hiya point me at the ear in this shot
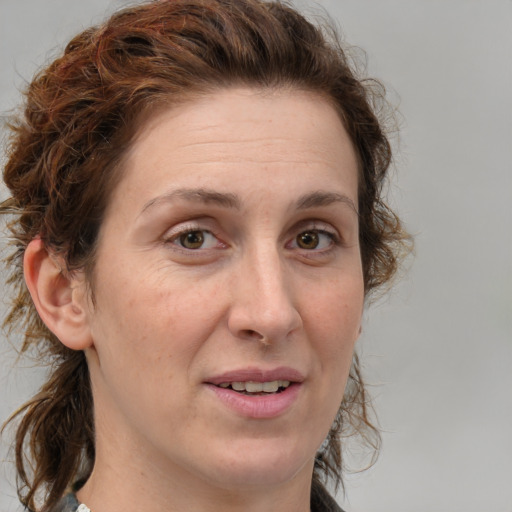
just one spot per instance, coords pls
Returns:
(60, 299)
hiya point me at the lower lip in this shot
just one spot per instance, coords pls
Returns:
(258, 406)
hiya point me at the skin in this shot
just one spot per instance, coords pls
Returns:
(166, 318)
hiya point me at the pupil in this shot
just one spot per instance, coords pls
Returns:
(192, 240)
(307, 240)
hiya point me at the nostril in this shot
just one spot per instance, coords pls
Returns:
(253, 335)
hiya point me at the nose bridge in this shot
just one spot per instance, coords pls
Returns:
(263, 304)
(269, 279)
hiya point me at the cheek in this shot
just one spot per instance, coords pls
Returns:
(336, 311)
(152, 319)
(146, 335)
(334, 324)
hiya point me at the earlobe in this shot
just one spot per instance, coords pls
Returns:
(60, 299)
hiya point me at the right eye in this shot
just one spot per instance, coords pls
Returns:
(195, 239)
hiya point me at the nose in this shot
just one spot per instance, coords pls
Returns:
(263, 306)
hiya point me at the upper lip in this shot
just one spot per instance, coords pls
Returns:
(257, 375)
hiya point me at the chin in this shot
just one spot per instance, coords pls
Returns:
(256, 464)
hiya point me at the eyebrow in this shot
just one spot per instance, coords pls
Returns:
(196, 195)
(324, 198)
(227, 200)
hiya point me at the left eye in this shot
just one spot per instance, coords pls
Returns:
(313, 240)
(196, 239)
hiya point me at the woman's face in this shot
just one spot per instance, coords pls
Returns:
(228, 291)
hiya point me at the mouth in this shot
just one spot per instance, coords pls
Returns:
(258, 393)
(252, 388)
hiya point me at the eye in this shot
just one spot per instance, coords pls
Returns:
(314, 239)
(196, 239)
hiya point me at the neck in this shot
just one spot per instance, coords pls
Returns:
(114, 489)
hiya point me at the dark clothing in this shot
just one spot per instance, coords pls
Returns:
(321, 501)
(67, 504)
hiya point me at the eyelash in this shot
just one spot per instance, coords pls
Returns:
(175, 236)
(333, 240)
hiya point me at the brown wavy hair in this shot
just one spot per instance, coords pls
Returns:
(63, 155)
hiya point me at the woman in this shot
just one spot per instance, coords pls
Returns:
(197, 222)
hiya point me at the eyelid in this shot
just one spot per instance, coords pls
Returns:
(321, 227)
(332, 237)
(180, 229)
(174, 233)
(317, 225)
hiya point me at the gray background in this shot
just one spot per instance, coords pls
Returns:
(438, 350)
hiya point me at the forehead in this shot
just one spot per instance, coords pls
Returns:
(292, 134)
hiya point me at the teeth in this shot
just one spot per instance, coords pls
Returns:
(256, 387)
(270, 387)
(238, 386)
